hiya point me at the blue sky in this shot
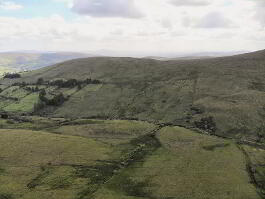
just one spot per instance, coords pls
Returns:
(38, 8)
(132, 27)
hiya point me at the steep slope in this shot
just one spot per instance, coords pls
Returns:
(19, 61)
(224, 96)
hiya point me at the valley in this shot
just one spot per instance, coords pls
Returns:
(26, 61)
(126, 128)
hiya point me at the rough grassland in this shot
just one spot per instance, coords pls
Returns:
(176, 163)
(117, 131)
(187, 166)
(256, 166)
(38, 165)
(182, 92)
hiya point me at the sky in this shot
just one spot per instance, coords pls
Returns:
(132, 27)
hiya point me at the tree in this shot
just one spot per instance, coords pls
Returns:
(42, 95)
(57, 100)
(40, 81)
(11, 75)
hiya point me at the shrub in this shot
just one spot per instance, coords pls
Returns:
(58, 83)
(12, 75)
(196, 110)
(40, 81)
(4, 116)
(70, 83)
(207, 124)
(57, 100)
(42, 95)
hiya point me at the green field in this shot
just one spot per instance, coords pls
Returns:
(118, 159)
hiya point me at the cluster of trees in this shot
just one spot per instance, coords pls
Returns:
(57, 100)
(71, 83)
(11, 75)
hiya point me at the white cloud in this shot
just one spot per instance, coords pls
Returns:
(214, 20)
(190, 2)
(260, 11)
(107, 8)
(9, 5)
(165, 29)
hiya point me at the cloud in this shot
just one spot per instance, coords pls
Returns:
(9, 5)
(107, 8)
(214, 20)
(166, 23)
(260, 11)
(69, 3)
(165, 27)
(190, 2)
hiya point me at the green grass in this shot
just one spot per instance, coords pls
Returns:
(30, 123)
(41, 159)
(9, 91)
(118, 159)
(256, 158)
(38, 164)
(24, 105)
(183, 168)
(116, 130)
(218, 173)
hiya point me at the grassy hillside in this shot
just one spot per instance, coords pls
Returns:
(19, 61)
(224, 96)
(99, 159)
(108, 128)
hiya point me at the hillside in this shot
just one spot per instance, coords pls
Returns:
(115, 159)
(20, 61)
(125, 128)
(224, 96)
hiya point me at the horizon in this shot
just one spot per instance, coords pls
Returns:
(133, 27)
(103, 53)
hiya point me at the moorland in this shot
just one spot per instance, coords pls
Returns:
(127, 128)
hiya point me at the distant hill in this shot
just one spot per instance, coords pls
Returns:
(178, 58)
(20, 61)
(189, 56)
(225, 95)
